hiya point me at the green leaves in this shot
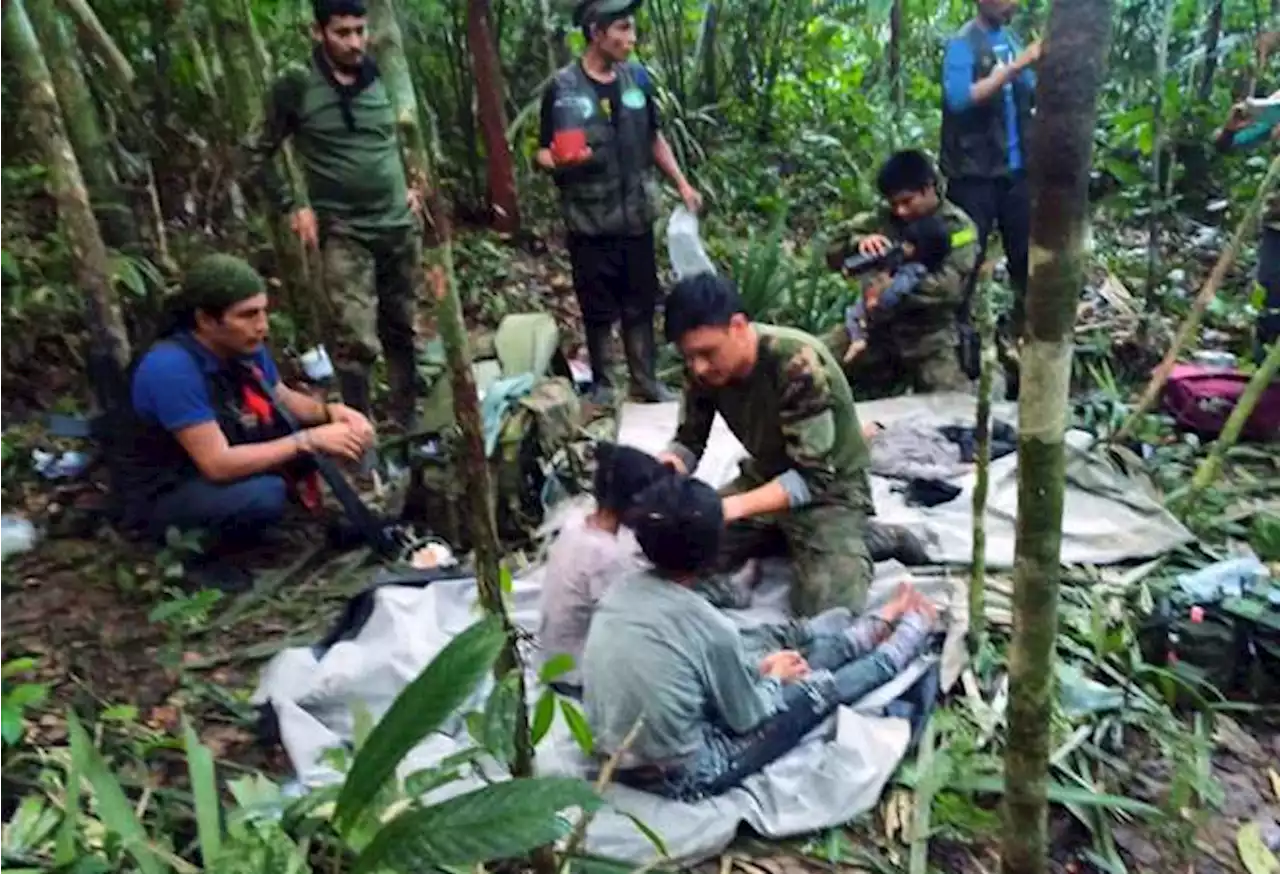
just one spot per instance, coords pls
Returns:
(496, 822)
(204, 786)
(578, 726)
(421, 708)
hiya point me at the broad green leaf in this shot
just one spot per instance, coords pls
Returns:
(420, 709)
(66, 850)
(113, 807)
(556, 666)
(447, 770)
(204, 787)
(498, 732)
(544, 713)
(10, 723)
(578, 726)
(16, 666)
(496, 822)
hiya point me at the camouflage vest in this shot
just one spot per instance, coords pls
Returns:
(614, 193)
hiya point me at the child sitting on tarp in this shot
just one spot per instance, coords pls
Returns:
(708, 714)
(926, 243)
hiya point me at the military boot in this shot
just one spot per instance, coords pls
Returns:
(405, 388)
(353, 384)
(597, 350)
(638, 342)
(894, 541)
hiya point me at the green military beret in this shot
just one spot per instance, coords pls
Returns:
(596, 11)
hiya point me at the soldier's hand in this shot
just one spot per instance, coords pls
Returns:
(303, 222)
(1030, 56)
(854, 350)
(1238, 119)
(874, 244)
(692, 199)
(414, 200)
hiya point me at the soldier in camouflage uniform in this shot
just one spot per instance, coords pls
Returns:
(1241, 131)
(360, 210)
(804, 488)
(916, 343)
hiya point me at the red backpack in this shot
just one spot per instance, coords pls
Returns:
(1200, 398)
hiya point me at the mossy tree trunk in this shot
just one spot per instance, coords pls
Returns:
(84, 126)
(66, 183)
(1075, 52)
(986, 325)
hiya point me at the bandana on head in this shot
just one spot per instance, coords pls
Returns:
(216, 282)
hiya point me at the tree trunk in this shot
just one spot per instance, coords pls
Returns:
(84, 127)
(88, 252)
(1157, 205)
(986, 326)
(895, 52)
(1212, 34)
(1075, 52)
(708, 83)
(503, 201)
(104, 46)
(387, 45)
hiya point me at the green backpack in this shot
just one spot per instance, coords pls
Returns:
(536, 457)
(1232, 643)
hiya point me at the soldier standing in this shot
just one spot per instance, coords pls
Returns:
(601, 140)
(359, 209)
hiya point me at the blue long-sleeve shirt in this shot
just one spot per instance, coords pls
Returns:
(957, 80)
(905, 281)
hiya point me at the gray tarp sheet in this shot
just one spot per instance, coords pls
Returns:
(836, 775)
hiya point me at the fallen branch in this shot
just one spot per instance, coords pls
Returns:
(605, 777)
(91, 27)
(1207, 292)
(1209, 468)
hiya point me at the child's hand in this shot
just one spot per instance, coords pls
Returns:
(854, 350)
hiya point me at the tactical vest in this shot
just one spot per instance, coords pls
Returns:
(975, 142)
(147, 460)
(615, 192)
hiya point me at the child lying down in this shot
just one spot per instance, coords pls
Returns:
(713, 715)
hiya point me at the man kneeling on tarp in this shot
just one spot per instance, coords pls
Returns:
(709, 714)
(200, 446)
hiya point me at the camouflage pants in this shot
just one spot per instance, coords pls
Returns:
(826, 544)
(372, 287)
(883, 369)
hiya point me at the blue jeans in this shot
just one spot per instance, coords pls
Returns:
(724, 760)
(235, 512)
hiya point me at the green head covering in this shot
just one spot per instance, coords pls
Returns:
(216, 282)
(603, 11)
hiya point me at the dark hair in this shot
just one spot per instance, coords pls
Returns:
(324, 10)
(931, 239)
(678, 522)
(700, 301)
(622, 473)
(910, 170)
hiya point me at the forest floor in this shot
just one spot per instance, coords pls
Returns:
(111, 631)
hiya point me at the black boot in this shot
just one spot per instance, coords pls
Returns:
(597, 345)
(638, 341)
(894, 541)
(405, 388)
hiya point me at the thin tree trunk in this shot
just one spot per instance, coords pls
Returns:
(708, 81)
(1208, 470)
(84, 127)
(982, 438)
(104, 46)
(88, 252)
(1191, 324)
(1212, 34)
(895, 52)
(503, 200)
(387, 45)
(549, 37)
(1075, 52)
(1157, 205)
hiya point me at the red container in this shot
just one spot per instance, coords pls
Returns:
(568, 145)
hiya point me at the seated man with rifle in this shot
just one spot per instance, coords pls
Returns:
(906, 329)
(201, 445)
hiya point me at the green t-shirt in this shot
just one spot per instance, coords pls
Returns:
(660, 652)
(353, 169)
(793, 412)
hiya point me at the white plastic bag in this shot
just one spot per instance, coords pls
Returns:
(684, 246)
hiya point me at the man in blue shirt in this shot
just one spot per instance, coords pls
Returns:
(200, 446)
(987, 93)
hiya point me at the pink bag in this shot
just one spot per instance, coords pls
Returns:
(1200, 398)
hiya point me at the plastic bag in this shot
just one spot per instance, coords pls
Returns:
(684, 246)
